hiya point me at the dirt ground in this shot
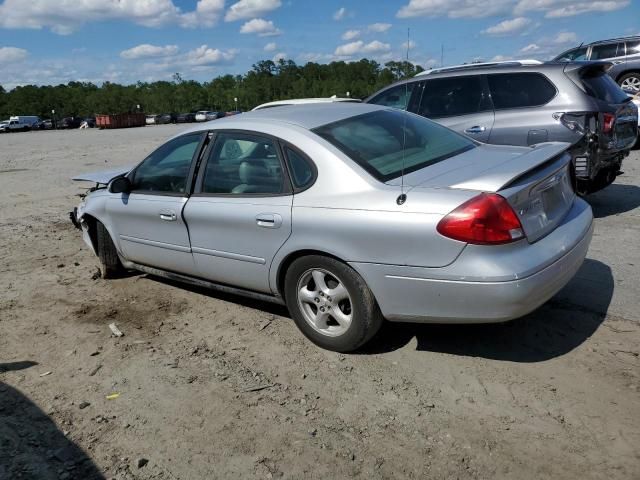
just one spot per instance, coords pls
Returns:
(214, 386)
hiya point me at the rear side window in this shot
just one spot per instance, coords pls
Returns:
(449, 97)
(517, 90)
(608, 50)
(601, 86)
(396, 97)
(302, 171)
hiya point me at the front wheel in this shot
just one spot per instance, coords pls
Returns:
(331, 304)
(111, 266)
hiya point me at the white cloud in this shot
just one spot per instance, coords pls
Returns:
(250, 9)
(508, 27)
(12, 55)
(410, 44)
(66, 16)
(203, 55)
(340, 14)
(207, 14)
(531, 48)
(454, 8)
(568, 8)
(359, 47)
(260, 26)
(270, 47)
(379, 27)
(279, 56)
(501, 58)
(547, 47)
(148, 51)
(564, 38)
(350, 34)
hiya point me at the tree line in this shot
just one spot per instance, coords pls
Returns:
(266, 81)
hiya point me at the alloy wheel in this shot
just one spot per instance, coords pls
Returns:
(324, 302)
(631, 83)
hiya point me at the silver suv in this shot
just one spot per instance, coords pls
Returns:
(525, 103)
(624, 53)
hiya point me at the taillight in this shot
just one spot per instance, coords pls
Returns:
(608, 119)
(487, 219)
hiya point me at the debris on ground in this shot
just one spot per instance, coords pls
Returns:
(115, 330)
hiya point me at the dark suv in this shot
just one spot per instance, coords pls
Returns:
(525, 103)
(624, 53)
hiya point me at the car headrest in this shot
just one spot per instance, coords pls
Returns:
(253, 172)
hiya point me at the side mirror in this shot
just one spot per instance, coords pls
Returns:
(119, 185)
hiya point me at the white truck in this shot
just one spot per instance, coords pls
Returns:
(22, 122)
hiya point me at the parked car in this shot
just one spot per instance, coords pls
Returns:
(215, 115)
(305, 101)
(525, 103)
(88, 122)
(45, 124)
(151, 119)
(69, 123)
(623, 52)
(166, 118)
(635, 98)
(4, 126)
(348, 214)
(201, 116)
(185, 118)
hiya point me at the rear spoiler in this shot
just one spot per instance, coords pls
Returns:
(578, 70)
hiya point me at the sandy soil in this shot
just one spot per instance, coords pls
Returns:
(213, 386)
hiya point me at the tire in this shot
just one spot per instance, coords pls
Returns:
(107, 253)
(359, 314)
(631, 79)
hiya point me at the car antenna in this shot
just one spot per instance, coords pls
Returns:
(403, 196)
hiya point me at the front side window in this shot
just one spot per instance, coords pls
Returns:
(517, 90)
(396, 97)
(243, 164)
(575, 55)
(608, 50)
(387, 142)
(450, 97)
(633, 48)
(167, 169)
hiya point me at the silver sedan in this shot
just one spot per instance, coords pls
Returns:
(349, 214)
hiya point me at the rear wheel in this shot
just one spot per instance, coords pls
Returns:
(111, 266)
(331, 304)
(630, 81)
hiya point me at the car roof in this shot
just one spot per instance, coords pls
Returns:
(304, 101)
(619, 39)
(308, 116)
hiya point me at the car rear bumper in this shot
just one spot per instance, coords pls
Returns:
(486, 283)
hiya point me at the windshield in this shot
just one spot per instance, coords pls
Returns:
(375, 141)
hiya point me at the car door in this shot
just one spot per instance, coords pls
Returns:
(148, 220)
(460, 103)
(240, 212)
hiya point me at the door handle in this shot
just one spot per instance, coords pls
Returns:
(269, 220)
(475, 129)
(168, 215)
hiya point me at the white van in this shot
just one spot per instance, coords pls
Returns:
(22, 122)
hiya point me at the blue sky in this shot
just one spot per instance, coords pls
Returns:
(54, 41)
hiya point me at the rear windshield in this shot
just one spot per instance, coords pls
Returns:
(603, 87)
(375, 141)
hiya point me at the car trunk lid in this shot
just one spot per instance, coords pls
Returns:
(536, 181)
